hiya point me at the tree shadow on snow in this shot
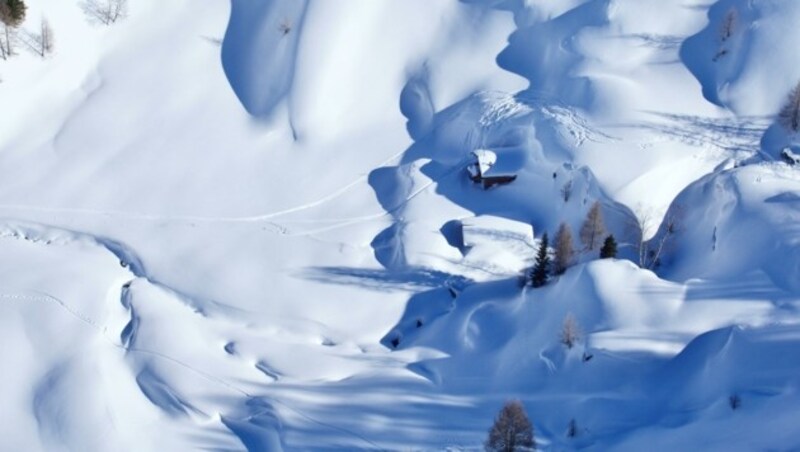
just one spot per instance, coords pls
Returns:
(409, 279)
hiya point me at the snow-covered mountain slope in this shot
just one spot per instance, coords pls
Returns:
(248, 225)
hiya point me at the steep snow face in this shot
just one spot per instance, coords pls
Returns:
(740, 58)
(768, 390)
(735, 222)
(267, 33)
(318, 57)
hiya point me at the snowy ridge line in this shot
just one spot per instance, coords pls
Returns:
(122, 252)
(49, 299)
(38, 232)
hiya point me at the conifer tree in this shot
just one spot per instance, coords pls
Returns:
(541, 267)
(609, 249)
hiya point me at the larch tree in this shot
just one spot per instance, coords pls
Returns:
(564, 251)
(570, 331)
(512, 430)
(593, 227)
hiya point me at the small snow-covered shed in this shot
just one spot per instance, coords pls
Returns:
(486, 169)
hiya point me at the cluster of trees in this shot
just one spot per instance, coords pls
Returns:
(592, 236)
(726, 30)
(12, 15)
(595, 238)
(105, 12)
(728, 24)
(42, 41)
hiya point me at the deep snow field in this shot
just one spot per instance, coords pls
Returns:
(247, 225)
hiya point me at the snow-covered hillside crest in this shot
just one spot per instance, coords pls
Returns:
(249, 225)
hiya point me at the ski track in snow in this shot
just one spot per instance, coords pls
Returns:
(280, 229)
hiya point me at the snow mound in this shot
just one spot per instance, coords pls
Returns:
(738, 221)
(740, 58)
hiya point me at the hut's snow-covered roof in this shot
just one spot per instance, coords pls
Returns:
(491, 166)
(484, 161)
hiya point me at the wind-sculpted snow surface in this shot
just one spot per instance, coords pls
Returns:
(741, 58)
(738, 221)
(260, 49)
(250, 225)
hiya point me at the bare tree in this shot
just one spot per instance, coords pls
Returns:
(105, 12)
(566, 190)
(728, 24)
(650, 251)
(285, 26)
(570, 331)
(41, 43)
(564, 251)
(47, 41)
(672, 225)
(593, 227)
(512, 430)
(641, 225)
(790, 113)
(4, 14)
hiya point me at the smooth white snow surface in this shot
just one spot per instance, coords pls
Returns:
(247, 225)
